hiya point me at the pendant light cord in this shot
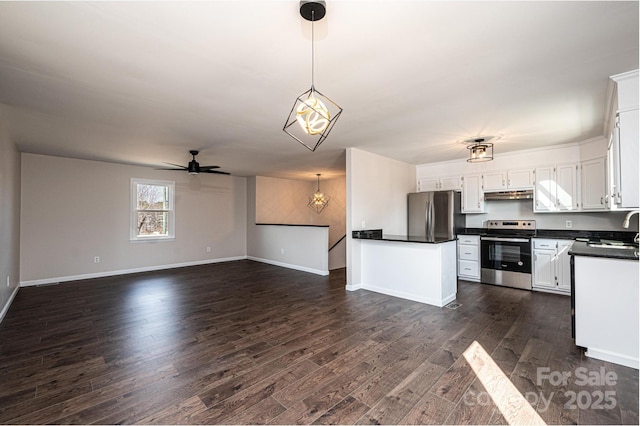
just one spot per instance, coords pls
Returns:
(313, 18)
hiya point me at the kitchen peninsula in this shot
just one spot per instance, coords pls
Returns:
(605, 301)
(421, 269)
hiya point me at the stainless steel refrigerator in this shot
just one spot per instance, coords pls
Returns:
(434, 215)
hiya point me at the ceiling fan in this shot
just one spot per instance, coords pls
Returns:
(194, 167)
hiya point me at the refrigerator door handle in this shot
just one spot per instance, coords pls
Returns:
(429, 217)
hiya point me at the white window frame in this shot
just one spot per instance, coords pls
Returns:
(133, 226)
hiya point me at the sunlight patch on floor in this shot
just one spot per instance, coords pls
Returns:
(512, 405)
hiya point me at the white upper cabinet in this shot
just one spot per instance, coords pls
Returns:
(567, 187)
(472, 194)
(556, 188)
(428, 184)
(453, 183)
(520, 179)
(627, 162)
(510, 180)
(623, 152)
(593, 186)
(494, 181)
(545, 190)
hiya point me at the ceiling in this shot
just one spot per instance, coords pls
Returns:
(144, 82)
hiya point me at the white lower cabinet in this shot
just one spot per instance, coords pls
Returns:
(551, 265)
(469, 257)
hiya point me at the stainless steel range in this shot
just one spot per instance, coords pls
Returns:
(505, 249)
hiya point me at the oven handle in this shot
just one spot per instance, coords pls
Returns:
(508, 240)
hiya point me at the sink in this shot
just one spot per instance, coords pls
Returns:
(613, 246)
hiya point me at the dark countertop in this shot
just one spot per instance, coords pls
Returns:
(409, 239)
(580, 248)
(567, 234)
(292, 224)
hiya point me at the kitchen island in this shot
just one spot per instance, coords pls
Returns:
(605, 302)
(414, 268)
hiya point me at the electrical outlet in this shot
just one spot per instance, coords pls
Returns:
(568, 224)
(208, 249)
(8, 281)
(364, 224)
(96, 259)
(281, 251)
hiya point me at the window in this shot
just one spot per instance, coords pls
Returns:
(152, 210)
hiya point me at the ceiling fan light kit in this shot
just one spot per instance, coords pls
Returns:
(313, 114)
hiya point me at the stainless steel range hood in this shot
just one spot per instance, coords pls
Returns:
(509, 195)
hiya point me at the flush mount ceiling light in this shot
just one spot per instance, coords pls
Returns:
(318, 201)
(313, 115)
(480, 148)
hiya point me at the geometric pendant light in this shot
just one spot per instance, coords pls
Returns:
(313, 115)
(319, 200)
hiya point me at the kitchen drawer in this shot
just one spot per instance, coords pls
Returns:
(539, 243)
(466, 252)
(468, 268)
(469, 239)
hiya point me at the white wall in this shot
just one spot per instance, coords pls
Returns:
(377, 189)
(9, 219)
(73, 210)
(298, 247)
(285, 201)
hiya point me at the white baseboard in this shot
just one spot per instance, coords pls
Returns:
(615, 358)
(289, 265)
(126, 271)
(5, 308)
(409, 296)
(546, 290)
(353, 287)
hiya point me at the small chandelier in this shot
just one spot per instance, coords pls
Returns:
(480, 149)
(318, 201)
(313, 115)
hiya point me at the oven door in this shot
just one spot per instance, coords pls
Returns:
(506, 254)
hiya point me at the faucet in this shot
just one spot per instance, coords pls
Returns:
(625, 224)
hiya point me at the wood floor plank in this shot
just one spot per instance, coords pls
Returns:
(176, 414)
(430, 410)
(347, 411)
(400, 400)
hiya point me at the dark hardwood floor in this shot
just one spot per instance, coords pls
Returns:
(248, 343)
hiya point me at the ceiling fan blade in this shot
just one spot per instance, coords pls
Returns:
(214, 171)
(169, 168)
(204, 168)
(177, 165)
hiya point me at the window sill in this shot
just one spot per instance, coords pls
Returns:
(152, 239)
